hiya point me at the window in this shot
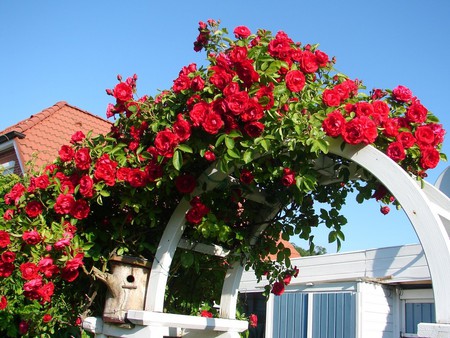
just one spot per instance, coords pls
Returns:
(8, 167)
(417, 307)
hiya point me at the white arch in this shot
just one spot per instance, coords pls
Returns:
(427, 209)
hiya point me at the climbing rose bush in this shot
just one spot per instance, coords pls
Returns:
(261, 111)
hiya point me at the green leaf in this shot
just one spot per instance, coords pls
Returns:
(320, 144)
(229, 142)
(177, 160)
(187, 259)
(248, 156)
(233, 153)
(185, 148)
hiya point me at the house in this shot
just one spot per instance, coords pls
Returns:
(35, 141)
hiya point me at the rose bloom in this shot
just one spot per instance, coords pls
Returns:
(8, 256)
(47, 268)
(165, 143)
(154, 171)
(247, 73)
(308, 62)
(385, 210)
(402, 93)
(23, 327)
(210, 156)
(237, 103)
(238, 54)
(4, 239)
(181, 83)
(206, 314)
(246, 176)
(105, 169)
(396, 151)
(380, 111)
(83, 159)
(185, 183)
(46, 291)
(77, 137)
(221, 77)
(31, 237)
(47, 318)
(295, 81)
(64, 204)
(182, 128)
(34, 209)
(254, 112)
(66, 153)
(137, 178)
(80, 209)
(61, 244)
(331, 98)
(3, 303)
(406, 138)
(6, 269)
(334, 123)
(241, 32)
(360, 130)
(29, 271)
(86, 186)
(391, 127)
(198, 112)
(254, 128)
(278, 288)
(14, 195)
(416, 112)
(8, 215)
(212, 123)
(288, 178)
(429, 158)
(123, 92)
(253, 320)
(196, 213)
(321, 58)
(424, 135)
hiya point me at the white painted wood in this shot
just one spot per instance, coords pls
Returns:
(443, 182)
(269, 316)
(208, 249)
(184, 321)
(431, 330)
(426, 222)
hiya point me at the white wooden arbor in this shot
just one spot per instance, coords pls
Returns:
(427, 208)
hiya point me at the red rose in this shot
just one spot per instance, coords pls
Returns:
(86, 186)
(402, 94)
(360, 130)
(83, 159)
(380, 111)
(221, 77)
(31, 237)
(197, 212)
(253, 320)
(70, 272)
(288, 178)
(331, 98)
(47, 268)
(212, 123)
(8, 215)
(123, 92)
(14, 195)
(66, 153)
(62, 244)
(238, 54)
(424, 135)
(198, 112)
(438, 131)
(197, 84)
(246, 176)
(185, 183)
(406, 138)
(183, 82)
(29, 271)
(334, 123)
(295, 81)
(429, 158)
(105, 169)
(153, 171)
(4, 239)
(308, 62)
(237, 103)
(80, 209)
(254, 112)
(47, 318)
(287, 279)
(396, 151)
(241, 32)
(3, 303)
(254, 128)
(46, 291)
(206, 314)
(6, 269)
(8, 256)
(278, 288)
(363, 109)
(416, 112)
(385, 210)
(34, 209)
(137, 178)
(247, 73)
(391, 127)
(77, 137)
(182, 128)
(165, 143)
(280, 46)
(23, 327)
(64, 204)
(321, 58)
(265, 96)
(210, 156)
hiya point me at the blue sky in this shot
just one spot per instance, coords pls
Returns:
(72, 51)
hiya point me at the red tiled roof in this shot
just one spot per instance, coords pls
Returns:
(47, 131)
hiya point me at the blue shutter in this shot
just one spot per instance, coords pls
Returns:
(334, 315)
(416, 313)
(290, 315)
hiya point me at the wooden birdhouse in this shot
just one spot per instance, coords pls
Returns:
(127, 285)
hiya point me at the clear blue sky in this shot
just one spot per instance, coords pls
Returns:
(54, 51)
